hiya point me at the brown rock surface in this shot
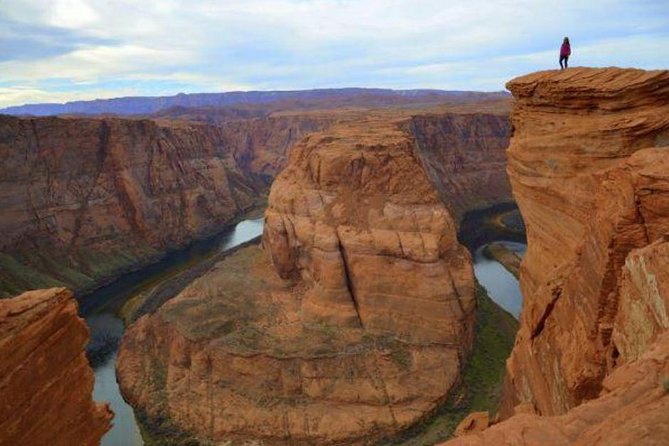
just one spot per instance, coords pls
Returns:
(84, 199)
(591, 188)
(464, 156)
(589, 166)
(45, 380)
(474, 422)
(633, 409)
(349, 327)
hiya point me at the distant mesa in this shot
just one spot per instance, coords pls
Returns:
(317, 98)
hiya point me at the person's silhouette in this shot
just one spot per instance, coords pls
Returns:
(565, 52)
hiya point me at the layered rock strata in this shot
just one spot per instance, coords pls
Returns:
(350, 325)
(45, 380)
(633, 409)
(83, 199)
(464, 156)
(589, 166)
(588, 163)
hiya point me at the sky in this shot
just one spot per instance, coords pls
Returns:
(63, 50)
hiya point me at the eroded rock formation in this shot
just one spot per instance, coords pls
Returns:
(83, 199)
(632, 410)
(349, 327)
(45, 380)
(589, 194)
(589, 167)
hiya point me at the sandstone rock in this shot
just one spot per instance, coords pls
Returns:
(464, 156)
(525, 408)
(83, 199)
(45, 380)
(592, 188)
(474, 422)
(351, 325)
(632, 409)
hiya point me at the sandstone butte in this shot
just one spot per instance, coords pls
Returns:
(589, 167)
(353, 320)
(45, 380)
(86, 199)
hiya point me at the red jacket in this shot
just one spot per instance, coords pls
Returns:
(565, 50)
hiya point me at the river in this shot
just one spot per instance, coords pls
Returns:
(101, 308)
(502, 286)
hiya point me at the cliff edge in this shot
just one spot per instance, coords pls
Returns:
(589, 167)
(45, 380)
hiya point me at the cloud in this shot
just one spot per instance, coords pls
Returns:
(60, 46)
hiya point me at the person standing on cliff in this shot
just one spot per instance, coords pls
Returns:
(565, 52)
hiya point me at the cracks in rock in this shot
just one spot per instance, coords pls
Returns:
(640, 218)
(458, 298)
(349, 281)
(555, 295)
(100, 157)
(381, 385)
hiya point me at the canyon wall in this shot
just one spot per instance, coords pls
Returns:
(45, 380)
(85, 199)
(590, 178)
(589, 167)
(261, 145)
(349, 326)
(464, 156)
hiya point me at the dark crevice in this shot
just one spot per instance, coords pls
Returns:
(457, 293)
(349, 281)
(641, 219)
(557, 292)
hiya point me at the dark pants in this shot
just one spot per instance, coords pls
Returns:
(565, 59)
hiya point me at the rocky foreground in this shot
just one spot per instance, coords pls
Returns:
(349, 326)
(589, 166)
(45, 379)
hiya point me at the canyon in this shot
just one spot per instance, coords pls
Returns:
(45, 379)
(349, 326)
(87, 199)
(353, 319)
(589, 169)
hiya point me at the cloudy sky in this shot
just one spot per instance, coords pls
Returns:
(60, 50)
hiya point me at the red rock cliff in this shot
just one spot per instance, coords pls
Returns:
(45, 380)
(589, 194)
(464, 156)
(83, 199)
(589, 167)
(351, 325)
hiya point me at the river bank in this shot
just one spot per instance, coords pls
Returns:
(506, 256)
(158, 282)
